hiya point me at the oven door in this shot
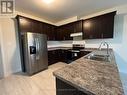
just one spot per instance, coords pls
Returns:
(72, 55)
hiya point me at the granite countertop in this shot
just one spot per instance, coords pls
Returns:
(93, 77)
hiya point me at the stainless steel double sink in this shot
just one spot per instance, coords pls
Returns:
(99, 57)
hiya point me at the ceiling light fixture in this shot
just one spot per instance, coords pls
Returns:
(48, 1)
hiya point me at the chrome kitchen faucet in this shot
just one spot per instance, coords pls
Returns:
(104, 43)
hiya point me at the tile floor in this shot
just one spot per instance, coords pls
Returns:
(42, 83)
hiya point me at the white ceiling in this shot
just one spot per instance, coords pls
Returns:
(63, 9)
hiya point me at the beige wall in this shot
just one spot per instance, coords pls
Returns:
(10, 48)
(1, 63)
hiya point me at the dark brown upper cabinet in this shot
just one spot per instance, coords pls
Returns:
(99, 27)
(37, 26)
(30, 25)
(68, 29)
(78, 26)
(25, 24)
(60, 33)
(64, 31)
(50, 31)
(94, 28)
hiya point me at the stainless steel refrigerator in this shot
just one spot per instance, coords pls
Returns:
(35, 57)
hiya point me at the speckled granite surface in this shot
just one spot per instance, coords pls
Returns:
(93, 77)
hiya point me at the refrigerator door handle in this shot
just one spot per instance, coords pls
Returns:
(37, 48)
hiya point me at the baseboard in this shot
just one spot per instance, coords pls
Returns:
(11, 73)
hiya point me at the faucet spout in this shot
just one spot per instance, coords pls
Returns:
(104, 43)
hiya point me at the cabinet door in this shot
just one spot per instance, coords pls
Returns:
(52, 57)
(49, 30)
(63, 88)
(108, 25)
(63, 32)
(99, 27)
(25, 24)
(51, 33)
(29, 25)
(44, 28)
(78, 26)
(69, 28)
(92, 28)
(36, 26)
(59, 34)
(63, 55)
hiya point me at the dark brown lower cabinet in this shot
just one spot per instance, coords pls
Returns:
(63, 88)
(66, 56)
(55, 56)
(63, 55)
